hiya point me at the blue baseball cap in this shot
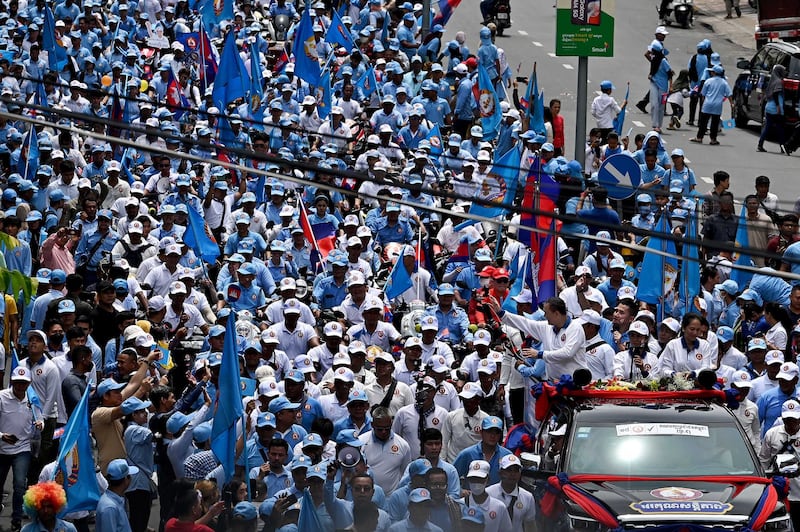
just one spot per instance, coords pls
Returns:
(420, 466)
(606, 85)
(245, 511)
(357, 395)
(318, 471)
(216, 330)
(419, 495)
(58, 276)
(108, 385)
(282, 403)
(472, 514)
(725, 334)
(446, 289)
(132, 404)
(119, 469)
(295, 375)
(202, 432)
(349, 437)
(301, 462)
(265, 419)
(313, 440)
(491, 422)
(43, 275)
(730, 286)
(177, 421)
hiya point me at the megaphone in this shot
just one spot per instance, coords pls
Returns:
(349, 457)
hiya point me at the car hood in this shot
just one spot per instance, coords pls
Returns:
(656, 500)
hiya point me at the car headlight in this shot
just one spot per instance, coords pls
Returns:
(584, 523)
(778, 524)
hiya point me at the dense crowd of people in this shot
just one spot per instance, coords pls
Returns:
(386, 345)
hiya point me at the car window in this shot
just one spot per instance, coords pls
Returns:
(659, 449)
(760, 60)
(794, 66)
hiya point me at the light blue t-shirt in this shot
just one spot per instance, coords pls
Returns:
(715, 90)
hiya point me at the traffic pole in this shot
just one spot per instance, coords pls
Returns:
(580, 117)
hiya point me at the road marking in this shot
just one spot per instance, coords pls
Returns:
(536, 43)
(551, 54)
(598, 93)
(522, 32)
(707, 179)
(568, 66)
(637, 123)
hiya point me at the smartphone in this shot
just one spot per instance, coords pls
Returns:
(522, 79)
(227, 498)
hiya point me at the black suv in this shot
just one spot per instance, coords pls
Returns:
(748, 91)
(652, 440)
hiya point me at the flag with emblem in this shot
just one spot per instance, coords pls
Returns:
(228, 410)
(658, 272)
(690, 269)
(338, 34)
(75, 468)
(619, 120)
(304, 47)
(52, 44)
(247, 387)
(232, 79)
(434, 138)
(501, 181)
(488, 105)
(213, 12)
(324, 95)
(367, 82)
(281, 61)
(399, 279)
(200, 52)
(516, 276)
(256, 84)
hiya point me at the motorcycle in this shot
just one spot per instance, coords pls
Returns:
(281, 26)
(500, 15)
(679, 12)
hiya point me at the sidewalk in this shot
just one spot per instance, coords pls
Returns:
(740, 31)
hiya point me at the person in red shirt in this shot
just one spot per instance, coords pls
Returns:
(498, 288)
(558, 127)
(188, 508)
(787, 235)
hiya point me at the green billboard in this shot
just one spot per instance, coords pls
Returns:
(585, 28)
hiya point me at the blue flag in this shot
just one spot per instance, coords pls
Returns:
(324, 95)
(619, 121)
(536, 107)
(367, 82)
(256, 83)
(56, 51)
(742, 277)
(196, 238)
(658, 272)
(28, 162)
(399, 280)
(435, 139)
(516, 276)
(338, 34)
(488, 105)
(229, 403)
(125, 164)
(232, 79)
(304, 47)
(213, 12)
(690, 271)
(247, 386)
(503, 180)
(75, 462)
(309, 520)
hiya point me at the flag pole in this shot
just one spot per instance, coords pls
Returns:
(202, 72)
(28, 153)
(419, 254)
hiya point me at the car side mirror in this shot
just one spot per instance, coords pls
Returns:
(742, 64)
(786, 464)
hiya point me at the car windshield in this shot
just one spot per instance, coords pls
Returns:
(659, 449)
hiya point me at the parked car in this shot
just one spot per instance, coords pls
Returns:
(748, 91)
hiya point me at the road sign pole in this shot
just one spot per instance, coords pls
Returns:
(580, 118)
(426, 18)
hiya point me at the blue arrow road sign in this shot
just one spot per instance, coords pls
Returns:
(621, 175)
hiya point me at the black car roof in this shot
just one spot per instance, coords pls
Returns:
(633, 411)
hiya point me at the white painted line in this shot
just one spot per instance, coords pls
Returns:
(568, 66)
(522, 32)
(551, 54)
(708, 180)
(598, 93)
(637, 123)
(536, 43)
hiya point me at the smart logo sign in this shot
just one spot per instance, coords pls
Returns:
(585, 28)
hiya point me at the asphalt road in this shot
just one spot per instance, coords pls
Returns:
(532, 38)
